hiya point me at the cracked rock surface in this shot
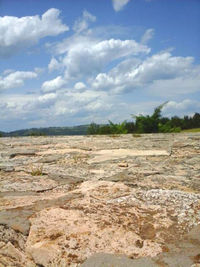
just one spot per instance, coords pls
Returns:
(100, 200)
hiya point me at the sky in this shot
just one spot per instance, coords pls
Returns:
(73, 62)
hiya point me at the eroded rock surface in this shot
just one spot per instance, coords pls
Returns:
(89, 201)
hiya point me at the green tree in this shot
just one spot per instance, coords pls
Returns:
(130, 127)
(196, 120)
(93, 128)
(149, 124)
(119, 128)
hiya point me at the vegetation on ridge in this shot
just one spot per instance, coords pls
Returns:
(154, 123)
(50, 131)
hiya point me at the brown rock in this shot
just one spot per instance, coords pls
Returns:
(125, 195)
(123, 164)
(147, 231)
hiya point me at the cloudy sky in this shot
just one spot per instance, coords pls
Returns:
(71, 62)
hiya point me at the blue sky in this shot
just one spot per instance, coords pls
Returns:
(76, 61)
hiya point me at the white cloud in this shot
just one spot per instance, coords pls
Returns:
(100, 79)
(82, 23)
(84, 57)
(53, 85)
(181, 108)
(159, 73)
(16, 106)
(177, 86)
(79, 86)
(162, 66)
(88, 57)
(54, 64)
(39, 71)
(119, 4)
(8, 71)
(15, 79)
(148, 35)
(16, 33)
(69, 107)
(45, 98)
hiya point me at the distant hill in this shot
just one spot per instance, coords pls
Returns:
(75, 130)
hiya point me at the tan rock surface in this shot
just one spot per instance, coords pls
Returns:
(65, 199)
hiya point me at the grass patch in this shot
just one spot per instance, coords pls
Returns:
(136, 135)
(115, 135)
(79, 158)
(37, 171)
(194, 130)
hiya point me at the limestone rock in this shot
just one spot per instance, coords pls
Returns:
(98, 198)
(123, 164)
(109, 260)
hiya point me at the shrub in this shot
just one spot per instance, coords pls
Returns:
(37, 171)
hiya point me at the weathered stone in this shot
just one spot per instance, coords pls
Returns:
(13, 153)
(50, 158)
(65, 179)
(82, 201)
(147, 231)
(18, 217)
(104, 155)
(108, 260)
(6, 167)
(123, 164)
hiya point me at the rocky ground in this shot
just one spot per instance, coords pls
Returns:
(130, 200)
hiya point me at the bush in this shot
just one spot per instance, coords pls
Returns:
(167, 128)
(110, 128)
(36, 133)
(154, 123)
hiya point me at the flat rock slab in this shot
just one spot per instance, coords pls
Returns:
(15, 153)
(6, 167)
(49, 158)
(72, 200)
(18, 217)
(109, 260)
(184, 253)
(112, 154)
(27, 183)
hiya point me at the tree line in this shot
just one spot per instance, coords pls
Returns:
(50, 131)
(154, 123)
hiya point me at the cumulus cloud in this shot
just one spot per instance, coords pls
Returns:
(15, 106)
(79, 86)
(181, 108)
(53, 85)
(82, 23)
(39, 71)
(8, 71)
(64, 105)
(16, 33)
(148, 35)
(98, 80)
(162, 72)
(119, 4)
(84, 91)
(54, 64)
(67, 107)
(177, 86)
(45, 98)
(162, 66)
(90, 56)
(85, 57)
(15, 79)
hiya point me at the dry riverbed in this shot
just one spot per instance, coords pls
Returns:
(100, 200)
